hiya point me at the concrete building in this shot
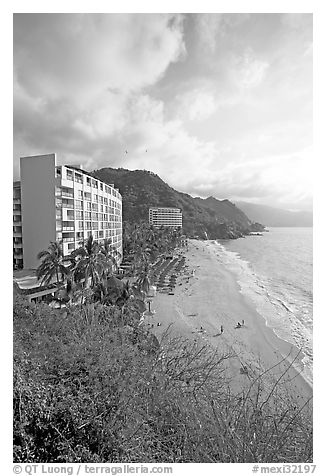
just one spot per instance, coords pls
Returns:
(64, 203)
(165, 216)
(17, 227)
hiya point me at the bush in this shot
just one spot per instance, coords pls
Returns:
(89, 387)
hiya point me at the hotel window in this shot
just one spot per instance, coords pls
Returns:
(69, 175)
(94, 183)
(96, 198)
(88, 225)
(102, 208)
(79, 215)
(95, 235)
(58, 172)
(80, 225)
(100, 234)
(105, 201)
(78, 204)
(94, 206)
(71, 246)
(94, 216)
(106, 189)
(89, 206)
(78, 178)
(101, 186)
(87, 215)
(87, 196)
(80, 194)
(88, 181)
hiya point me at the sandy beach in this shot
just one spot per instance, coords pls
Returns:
(208, 296)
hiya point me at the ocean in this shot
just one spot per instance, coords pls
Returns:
(276, 272)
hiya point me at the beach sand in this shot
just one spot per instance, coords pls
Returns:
(209, 297)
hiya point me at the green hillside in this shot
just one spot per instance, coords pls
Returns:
(141, 190)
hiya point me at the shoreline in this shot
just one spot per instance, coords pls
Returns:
(210, 298)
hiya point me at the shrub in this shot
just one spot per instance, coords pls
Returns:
(90, 387)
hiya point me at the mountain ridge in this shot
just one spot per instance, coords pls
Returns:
(272, 216)
(143, 189)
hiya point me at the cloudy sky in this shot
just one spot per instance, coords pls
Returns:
(216, 104)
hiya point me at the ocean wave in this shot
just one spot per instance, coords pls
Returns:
(286, 311)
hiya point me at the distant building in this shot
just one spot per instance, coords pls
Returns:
(61, 203)
(165, 216)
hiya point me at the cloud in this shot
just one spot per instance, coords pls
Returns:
(248, 71)
(208, 25)
(196, 105)
(79, 55)
(75, 76)
(212, 26)
(200, 100)
(296, 21)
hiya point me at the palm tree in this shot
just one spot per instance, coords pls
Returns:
(111, 256)
(89, 262)
(143, 282)
(52, 265)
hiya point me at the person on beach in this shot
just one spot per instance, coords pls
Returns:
(222, 329)
(238, 326)
(243, 322)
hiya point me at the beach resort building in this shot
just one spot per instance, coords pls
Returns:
(165, 216)
(62, 203)
(17, 227)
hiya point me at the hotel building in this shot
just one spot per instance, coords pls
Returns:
(17, 227)
(164, 216)
(62, 203)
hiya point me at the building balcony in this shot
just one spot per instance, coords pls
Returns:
(67, 194)
(68, 205)
(67, 240)
(68, 228)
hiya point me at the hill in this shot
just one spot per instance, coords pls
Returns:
(271, 216)
(142, 189)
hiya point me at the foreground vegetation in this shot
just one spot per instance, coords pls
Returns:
(93, 385)
(90, 386)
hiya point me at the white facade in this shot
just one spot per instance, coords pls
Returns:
(165, 216)
(65, 203)
(17, 227)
